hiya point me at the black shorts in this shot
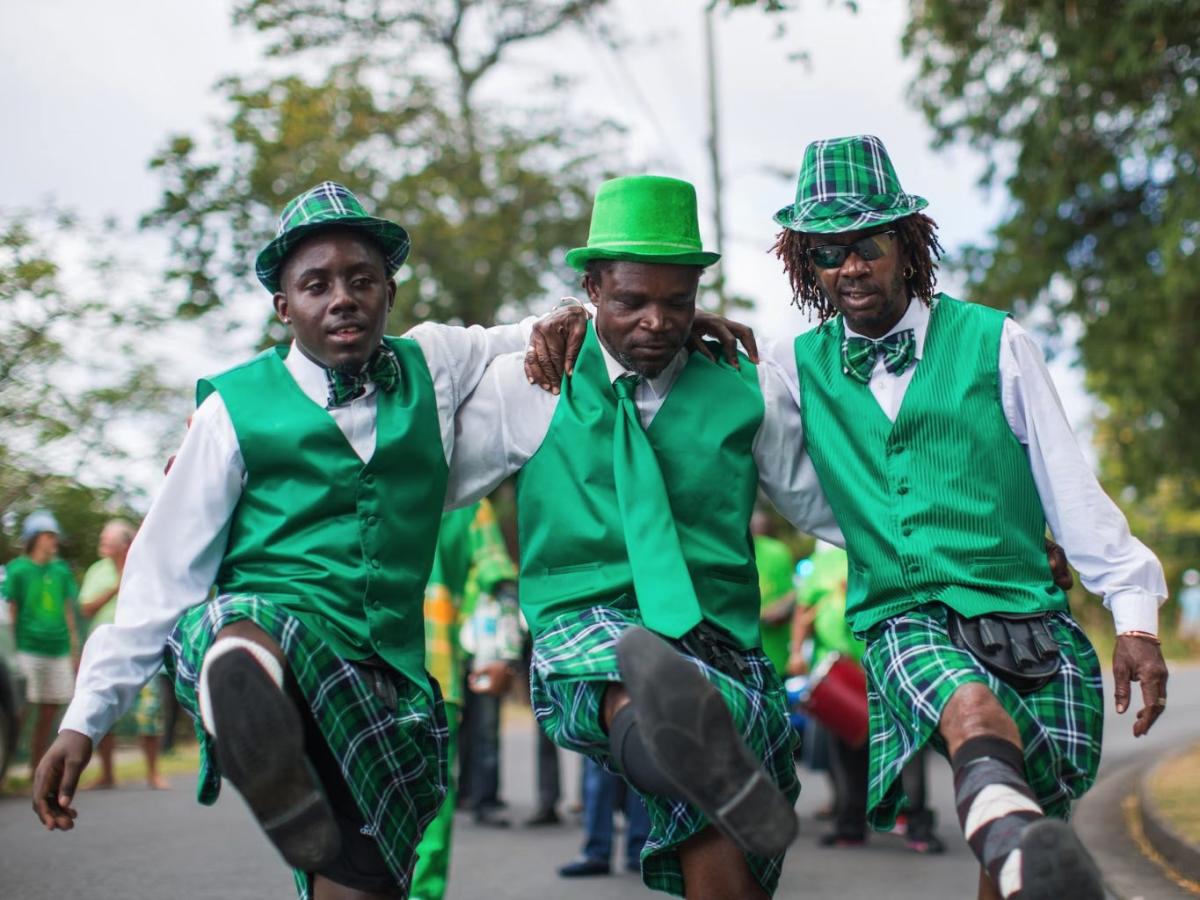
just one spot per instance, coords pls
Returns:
(360, 864)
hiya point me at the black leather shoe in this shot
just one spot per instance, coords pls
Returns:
(582, 868)
(543, 817)
(491, 818)
(692, 738)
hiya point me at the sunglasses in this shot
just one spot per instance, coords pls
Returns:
(871, 247)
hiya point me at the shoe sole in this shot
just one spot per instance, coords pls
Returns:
(1054, 864)
(691, 736)
(260, 747)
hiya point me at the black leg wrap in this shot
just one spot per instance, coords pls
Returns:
(625, 742)
(991, 747)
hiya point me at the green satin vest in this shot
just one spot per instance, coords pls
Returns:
(572, 544)
(941, 505)
(344, 546)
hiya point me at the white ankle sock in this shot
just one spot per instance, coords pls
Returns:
(220, 647)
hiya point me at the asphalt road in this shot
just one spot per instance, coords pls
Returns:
(134, 843)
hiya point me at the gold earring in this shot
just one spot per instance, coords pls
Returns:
(909, 272)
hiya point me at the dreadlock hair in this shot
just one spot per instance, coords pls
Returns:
(918, 244)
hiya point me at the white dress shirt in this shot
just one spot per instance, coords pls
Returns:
(174, 559)
(1089, 526)
(518, 414)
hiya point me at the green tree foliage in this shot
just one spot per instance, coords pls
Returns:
(387, 97)
(77, 380)
(1093, 109)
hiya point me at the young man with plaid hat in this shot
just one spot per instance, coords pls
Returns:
(944, 451)
(309, 491)
(637, 480)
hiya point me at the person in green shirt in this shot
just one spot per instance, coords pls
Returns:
(41, 593)
(98, 604)
(471, 559)
(773, 559)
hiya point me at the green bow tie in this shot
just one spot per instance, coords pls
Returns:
(382, 368)
(661, 581)
(859, 354)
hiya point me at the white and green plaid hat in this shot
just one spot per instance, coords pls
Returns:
(328, 205)
(845, 184)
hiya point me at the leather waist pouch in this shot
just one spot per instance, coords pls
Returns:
(1017, 648)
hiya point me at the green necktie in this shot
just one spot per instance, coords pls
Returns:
(661, 580)
(859, 354)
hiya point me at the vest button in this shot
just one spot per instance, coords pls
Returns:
(374, 564)
(368, 480)
(903, 489)
(914, 567)
(898, 449)
(906, 531)
(371, 520)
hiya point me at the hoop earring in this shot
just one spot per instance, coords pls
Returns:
(909, 272)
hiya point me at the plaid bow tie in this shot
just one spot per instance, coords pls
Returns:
(859, 354)
(382, 368)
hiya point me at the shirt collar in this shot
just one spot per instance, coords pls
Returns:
(915, 317)
(311, 377)
(660, 384)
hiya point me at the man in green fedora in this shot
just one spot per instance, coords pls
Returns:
(308, 492)
(945, 454)
(635, 490)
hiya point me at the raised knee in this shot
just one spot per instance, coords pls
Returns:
(973, 712)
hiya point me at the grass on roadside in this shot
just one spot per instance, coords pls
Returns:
(128, 767)
(1175, 789)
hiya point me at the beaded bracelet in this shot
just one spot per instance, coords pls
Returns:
(1141, 634)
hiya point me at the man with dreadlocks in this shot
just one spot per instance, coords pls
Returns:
(941, 445)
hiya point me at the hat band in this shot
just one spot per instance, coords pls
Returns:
(600, 245)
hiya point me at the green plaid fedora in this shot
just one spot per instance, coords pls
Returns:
(644, 218)
(845, 184)
(328, 205)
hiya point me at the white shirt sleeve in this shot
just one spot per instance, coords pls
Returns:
(498, 429)
(785, 470)
(171, 566)
(1091, 529)
(457, 358)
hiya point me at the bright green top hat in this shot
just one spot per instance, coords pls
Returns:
(644, 218)
(846, 184)
(328, 205)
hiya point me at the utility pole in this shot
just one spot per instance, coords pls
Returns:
(714, 154)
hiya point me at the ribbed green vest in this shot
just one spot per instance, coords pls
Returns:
(345, 547)
(940, 506)
(572, 543)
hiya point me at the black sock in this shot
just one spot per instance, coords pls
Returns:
(995, 804)
(625, 742)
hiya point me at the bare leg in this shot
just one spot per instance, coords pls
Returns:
(42, 726)
(615, 697)
(251, 632)
(715, 869)
(987, 890)
(150, 745)
(974, 711)
(107, 778)
(324, 889)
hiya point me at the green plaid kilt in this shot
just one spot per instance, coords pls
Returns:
(573, 662)
(394, 763)
(912, 671)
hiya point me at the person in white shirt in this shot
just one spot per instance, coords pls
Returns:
(308, 491)
(941, 445)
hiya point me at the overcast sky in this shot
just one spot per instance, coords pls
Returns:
(91, 90)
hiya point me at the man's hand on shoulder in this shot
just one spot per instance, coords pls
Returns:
(1138, 657)
(725, 332)
(57, 777)
(555, 345)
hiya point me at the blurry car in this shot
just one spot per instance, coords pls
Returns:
(12, 688)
